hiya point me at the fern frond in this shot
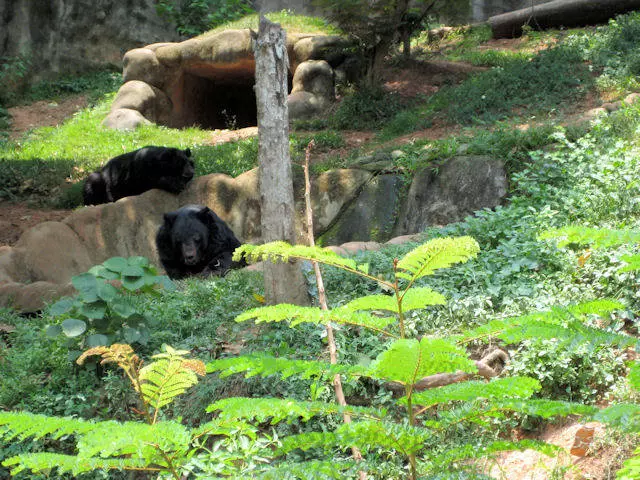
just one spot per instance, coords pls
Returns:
(294, 315)
(510, 387)
(633, 263)
(118, 353)
(363, 435)
(544, 408)
(630, 468)
(408, 360)
(283, 251)
(634, 375)
(623, 415)
(226, 427)
(311, 470)
(109, 439)
(598, 237)
(45, 462)
(279, 409)
(463, 452)
(435, 254)
(562, 324)
(419, 297)
(169, 376)
(264, 366)
(24, 425)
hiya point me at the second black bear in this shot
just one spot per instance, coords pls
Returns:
(136, 172)
(193, 240)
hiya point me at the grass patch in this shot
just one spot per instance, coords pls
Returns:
(291, 22)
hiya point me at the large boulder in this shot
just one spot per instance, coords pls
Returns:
(461, 186)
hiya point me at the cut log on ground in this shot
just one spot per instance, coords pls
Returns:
(559, 13)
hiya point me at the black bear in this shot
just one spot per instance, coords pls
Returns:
(135, 172)
(193, 240)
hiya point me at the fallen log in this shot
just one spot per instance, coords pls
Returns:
(558, 13)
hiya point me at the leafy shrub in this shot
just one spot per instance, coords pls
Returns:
(366, 108)
(102, 314)
(550, 79)
(577, 373)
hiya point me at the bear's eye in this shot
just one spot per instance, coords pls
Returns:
(197, 238)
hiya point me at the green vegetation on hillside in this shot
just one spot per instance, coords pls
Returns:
(565, 313)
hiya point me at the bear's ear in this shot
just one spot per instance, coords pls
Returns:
(187, 152)
(169, 218)
(205, 216)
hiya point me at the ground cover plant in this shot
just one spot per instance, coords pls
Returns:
(579, 177)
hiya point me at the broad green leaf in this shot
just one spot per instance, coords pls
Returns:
(633, 263)
(87, 285)
(131, 335)
(53, 331)
(133, 271)
(133, 283)
(93, 310)
(166, 283)
(107, 292)
(435, 254)
(122, 308)
(72, 327)
(102, 272)
(408, 360)
(138, 261)
(62, 306)
(97, 340)
(116, 264)
(625, 416)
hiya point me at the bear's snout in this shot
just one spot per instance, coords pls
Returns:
(190, 253)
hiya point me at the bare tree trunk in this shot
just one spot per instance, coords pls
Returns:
(283, 282)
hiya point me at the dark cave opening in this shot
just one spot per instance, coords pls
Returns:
(218, 103)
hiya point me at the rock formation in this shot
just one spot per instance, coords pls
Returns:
(208, 80)
(349, 205)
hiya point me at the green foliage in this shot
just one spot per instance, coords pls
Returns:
(290, 21)
(102, 314)
(193, 17)
(13, 72)
(365, 108)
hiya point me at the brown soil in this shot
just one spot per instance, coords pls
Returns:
(15, 218)
(44, 113)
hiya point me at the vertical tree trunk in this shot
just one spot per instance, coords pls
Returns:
(284, 282)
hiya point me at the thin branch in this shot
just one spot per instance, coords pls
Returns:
(322, 297)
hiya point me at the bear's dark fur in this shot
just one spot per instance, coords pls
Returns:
(193, 240)
(135, 172)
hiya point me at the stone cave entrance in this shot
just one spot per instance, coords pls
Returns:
(217, 100)
(212, 103)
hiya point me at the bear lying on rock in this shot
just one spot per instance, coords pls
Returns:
(193, 240)
(136, 172)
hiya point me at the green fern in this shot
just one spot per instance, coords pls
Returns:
(264, 366)
(413, 299)
(364, 435)
(23, 425)
(511, 387)
(563, 324)
(597, 237)
(630, 468)
(294, 315)
(278, 409)
(466, 452)
(435, 254)
(169, 376)
(45, 462)
(623, 415)
(312, 470)
(634, 375)
(408, 360)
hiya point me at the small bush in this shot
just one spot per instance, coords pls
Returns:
(365, 109)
